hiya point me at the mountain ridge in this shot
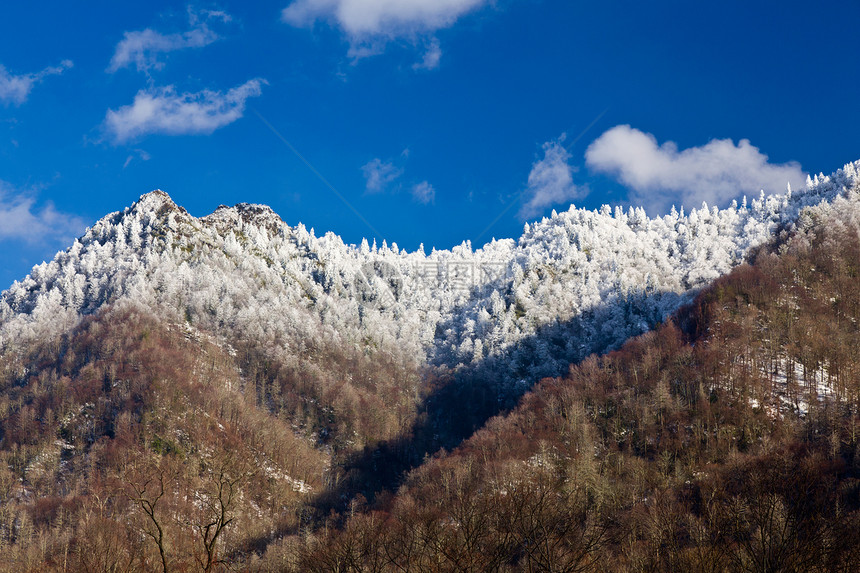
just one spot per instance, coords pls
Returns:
(615, 273)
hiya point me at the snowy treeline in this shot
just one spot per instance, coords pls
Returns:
(574, 283)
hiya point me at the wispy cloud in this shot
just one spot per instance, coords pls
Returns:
(164, 111)
(432, 56)
(661, 175)
(138, 154)
(21, 219)
(379, 174)
(424, 193)
(370, 24)
(16, 88)
(142, 48)
(550, 180)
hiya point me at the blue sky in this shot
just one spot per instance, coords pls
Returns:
(416, 121)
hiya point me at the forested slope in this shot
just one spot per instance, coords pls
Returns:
(131, 440)
(180, 393)
(726, 440)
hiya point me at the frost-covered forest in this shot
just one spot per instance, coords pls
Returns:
(574, 283)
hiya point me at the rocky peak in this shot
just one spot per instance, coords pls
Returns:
(155, 202)
(261, 216)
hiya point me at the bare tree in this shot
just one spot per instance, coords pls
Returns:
(218, 501)
(145, 484)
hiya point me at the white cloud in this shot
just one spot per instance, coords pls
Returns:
(369, 24)
(550, 181)
(661, 175)
(20, 219)
(431, 57)
(142, 48)
(139, 153)
(380, 17)
(213, 14)
(15, 89)
(162, 110)
(424, 193)
(378, 174)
